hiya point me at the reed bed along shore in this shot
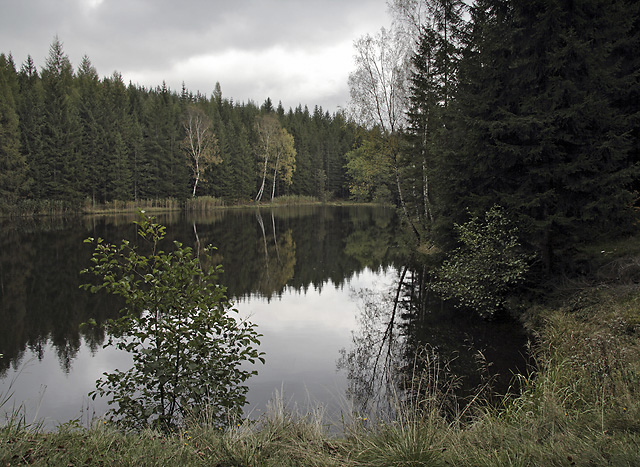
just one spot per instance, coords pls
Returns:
(37, 208)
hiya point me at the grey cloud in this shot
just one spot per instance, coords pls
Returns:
(152, 36)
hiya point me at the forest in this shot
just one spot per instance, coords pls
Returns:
(456, 108)
(506, 133)
(69, 135)
(529, 106)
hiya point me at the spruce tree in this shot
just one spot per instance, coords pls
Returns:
(298, 125)
(13, 168)
(537, 130)
(63, 174)
(29, 106)
(91, 129)
(116, 144)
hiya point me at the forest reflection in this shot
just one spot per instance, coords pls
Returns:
(263, 251)
(409, 343)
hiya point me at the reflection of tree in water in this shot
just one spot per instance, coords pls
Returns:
(279, 257)
(14, 273)
(41, 306)
(40, 302)
(376, 356)
(408, 341)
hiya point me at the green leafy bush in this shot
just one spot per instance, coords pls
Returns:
(480, 273)
(187, 343)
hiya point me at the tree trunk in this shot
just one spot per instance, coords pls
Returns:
(264, 177)
(275, 174)
(195, 185)
(402, 203)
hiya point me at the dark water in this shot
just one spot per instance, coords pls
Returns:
(320, 282)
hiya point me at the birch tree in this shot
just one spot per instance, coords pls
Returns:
(378, 89)
(276, 152)
(200, 144)
(439, 26)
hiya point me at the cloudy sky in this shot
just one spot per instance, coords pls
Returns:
(294, 51)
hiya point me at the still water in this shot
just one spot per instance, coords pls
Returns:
(320, 282)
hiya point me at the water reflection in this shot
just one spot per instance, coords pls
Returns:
(314, 279)
(297, 263)
(40, 302)
(404, 332)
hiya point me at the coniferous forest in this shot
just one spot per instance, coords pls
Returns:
(69, 135)
(528, 105)
(531, 106)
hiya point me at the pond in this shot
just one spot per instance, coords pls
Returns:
(330, 289)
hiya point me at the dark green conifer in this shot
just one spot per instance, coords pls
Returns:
(63, 175)
(13, 168)
(29, 105)
(536, 127)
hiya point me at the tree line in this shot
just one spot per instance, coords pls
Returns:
(69, 135)
(457, 108)
(530, 105)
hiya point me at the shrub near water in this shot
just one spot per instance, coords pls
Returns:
(482, 272)
(187, 346)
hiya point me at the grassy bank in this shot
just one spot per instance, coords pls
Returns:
(580, 406)
(198, 204)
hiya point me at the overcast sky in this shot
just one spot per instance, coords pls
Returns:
(294, 51)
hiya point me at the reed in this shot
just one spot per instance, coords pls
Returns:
(32, 208)
(118, 207)
(203, 204)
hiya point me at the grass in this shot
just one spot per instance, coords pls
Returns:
(149, 205)
(578, 405)
(203, 204)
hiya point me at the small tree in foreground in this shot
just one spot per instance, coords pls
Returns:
(482, 271)
(188, 348)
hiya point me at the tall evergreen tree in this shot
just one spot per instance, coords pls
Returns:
(298, 124)
(91, 130)
(240, 156)
(135, 137)
(13, 168)
(29, 106)
(117, 144)
(536, 127)
(63, 174)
